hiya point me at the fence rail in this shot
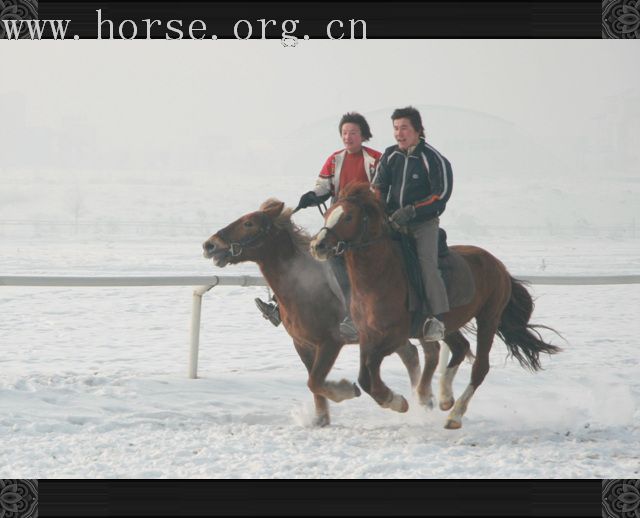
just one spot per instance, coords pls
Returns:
(580, 280)
(256, 280)
(188, 280)
(203, 284)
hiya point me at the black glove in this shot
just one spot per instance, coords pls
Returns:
(308, 199)
(402, 216)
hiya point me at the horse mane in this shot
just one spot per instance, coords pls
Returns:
(363, 194)
(283, 221)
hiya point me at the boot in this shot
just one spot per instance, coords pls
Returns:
(269, 311)
(433, 329)
(348, 330)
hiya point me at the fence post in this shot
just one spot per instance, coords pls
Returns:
(195, 328)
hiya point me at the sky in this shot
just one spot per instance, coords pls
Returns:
(256, 88)
(204, 113)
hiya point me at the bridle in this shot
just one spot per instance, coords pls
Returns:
(360, 241)
(236, 248)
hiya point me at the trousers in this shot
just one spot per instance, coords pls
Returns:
(339, 268)
(426, 235)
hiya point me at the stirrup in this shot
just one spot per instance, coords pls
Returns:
(348, 330)
(433, 330)
(269, 311)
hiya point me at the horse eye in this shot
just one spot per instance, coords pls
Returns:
(248, 224)
(348, 217)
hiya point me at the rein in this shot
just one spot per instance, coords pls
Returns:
(359, 241)
(322, 212)
(235, 249)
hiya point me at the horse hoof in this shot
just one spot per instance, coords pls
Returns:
(452, 424)
(428, 404)
(447, 404)
(399, 404)
(343, 389)
(320, 421)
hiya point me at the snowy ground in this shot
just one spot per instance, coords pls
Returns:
(93, 380)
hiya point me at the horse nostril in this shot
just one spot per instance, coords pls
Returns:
(321, 246)
(209, 247)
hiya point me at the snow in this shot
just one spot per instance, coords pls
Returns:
(94, 379)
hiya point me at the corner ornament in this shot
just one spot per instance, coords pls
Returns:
(17, 10)
(18, 498)
(620, 19)
(620, 498)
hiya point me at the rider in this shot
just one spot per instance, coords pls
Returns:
(415, 181)
(354, 163)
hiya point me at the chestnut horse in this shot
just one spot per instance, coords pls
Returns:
(357, 226)
(311, 306)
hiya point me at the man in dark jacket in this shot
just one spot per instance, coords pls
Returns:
(415, 181)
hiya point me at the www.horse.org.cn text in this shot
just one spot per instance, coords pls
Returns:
(289, 31)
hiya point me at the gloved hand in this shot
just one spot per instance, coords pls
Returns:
(308, 199)
(402, 216)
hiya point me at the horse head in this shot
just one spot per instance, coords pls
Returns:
(243, 239)
(356, 220)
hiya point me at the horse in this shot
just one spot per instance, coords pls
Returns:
(357, 226)
(310, 301)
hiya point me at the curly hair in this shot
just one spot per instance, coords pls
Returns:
(358, 119)
(413, 115)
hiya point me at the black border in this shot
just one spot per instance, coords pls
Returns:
(320, 498)
(385, 19)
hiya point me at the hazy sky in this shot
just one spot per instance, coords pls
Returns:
(148, 89)
(82, 122)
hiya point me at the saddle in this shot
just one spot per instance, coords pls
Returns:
(455, 272)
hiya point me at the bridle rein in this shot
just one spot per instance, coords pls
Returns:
(236, 248)
(360, 241)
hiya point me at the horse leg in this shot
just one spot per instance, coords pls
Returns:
(364, 379)
(383, 395)
(322, 405)
(459, 347)
(487, 328)
(336, 391)
(431, 355)
(409, 355)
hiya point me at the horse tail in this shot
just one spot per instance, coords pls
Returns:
(522, 338)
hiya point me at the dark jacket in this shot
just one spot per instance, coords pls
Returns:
(423, 178)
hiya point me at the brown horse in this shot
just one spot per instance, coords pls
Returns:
(311, 305)
(357, 226)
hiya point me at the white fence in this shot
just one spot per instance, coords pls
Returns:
(205, 283)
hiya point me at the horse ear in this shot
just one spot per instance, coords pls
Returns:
(272, 208)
